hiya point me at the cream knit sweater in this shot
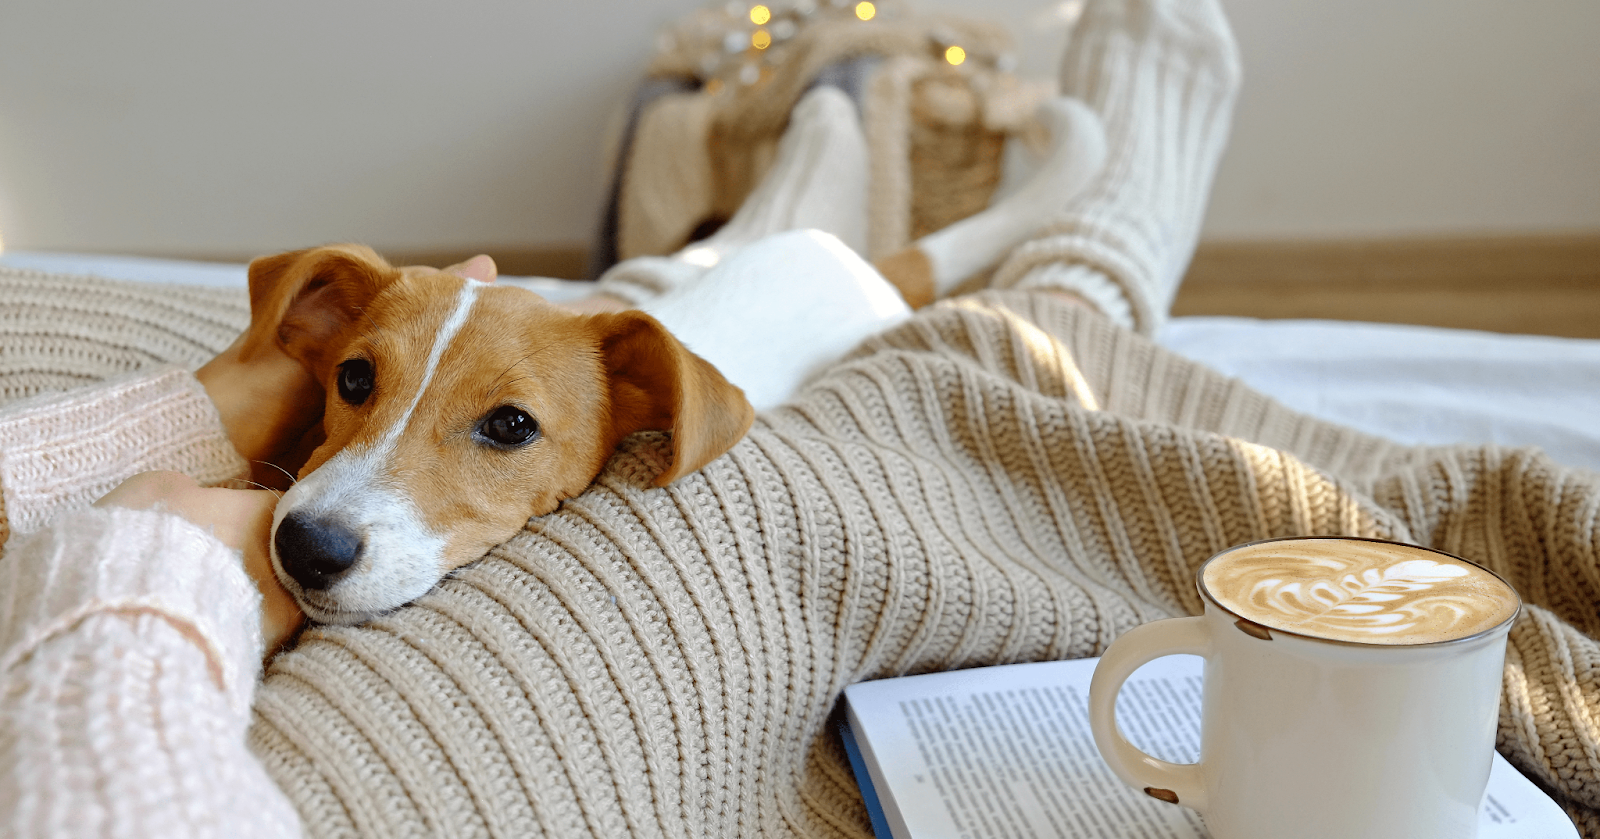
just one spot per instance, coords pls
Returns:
(130, 641)
(1003, 478)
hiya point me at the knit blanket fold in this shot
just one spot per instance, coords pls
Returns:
(1003, 478)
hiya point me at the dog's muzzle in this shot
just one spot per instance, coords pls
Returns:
(316, 552)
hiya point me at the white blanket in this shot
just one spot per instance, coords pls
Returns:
(1415, 384)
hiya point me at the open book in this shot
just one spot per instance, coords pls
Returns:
(1006, 751)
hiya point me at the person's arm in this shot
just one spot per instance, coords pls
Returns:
(130, 644)
(60, 452)
(231, 418)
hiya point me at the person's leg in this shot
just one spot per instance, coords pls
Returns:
(818, 181)
(1162, 75)
(779, 310)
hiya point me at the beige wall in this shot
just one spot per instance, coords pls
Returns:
(190, 127)
(1385, 117)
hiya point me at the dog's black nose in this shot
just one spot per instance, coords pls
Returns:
(315, 552)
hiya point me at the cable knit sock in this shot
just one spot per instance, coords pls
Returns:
(1163, 76)
(817, 181)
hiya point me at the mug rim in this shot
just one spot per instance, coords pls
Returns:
(1206, 595)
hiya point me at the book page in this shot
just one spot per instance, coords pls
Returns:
(1007, 752)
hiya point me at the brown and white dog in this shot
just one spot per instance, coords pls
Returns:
(455, 410)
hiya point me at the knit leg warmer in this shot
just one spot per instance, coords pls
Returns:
(1163, 75)
(818, 181)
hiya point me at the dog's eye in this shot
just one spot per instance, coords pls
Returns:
(509, 425)
(355, 380)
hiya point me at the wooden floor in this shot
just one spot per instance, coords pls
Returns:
(1547, 285)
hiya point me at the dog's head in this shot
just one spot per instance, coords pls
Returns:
(455, 411)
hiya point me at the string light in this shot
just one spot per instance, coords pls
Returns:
(728, 48)
(955, 55)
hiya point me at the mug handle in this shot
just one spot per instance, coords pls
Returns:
(1178, 783)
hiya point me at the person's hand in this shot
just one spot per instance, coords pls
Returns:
(240, 518)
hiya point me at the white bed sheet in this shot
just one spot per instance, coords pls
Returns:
(1415, 384)
(1407, 383)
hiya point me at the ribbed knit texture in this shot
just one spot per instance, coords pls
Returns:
(1163, 76)
(129, 650)
(82, 449)
(58, 333)
(1004, 478)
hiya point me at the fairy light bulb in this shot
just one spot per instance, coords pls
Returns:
(759, 15)
(761, 39)
(955, 55)
(866, 10)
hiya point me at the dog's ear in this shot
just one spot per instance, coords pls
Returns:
(658, 384)
(302, 301)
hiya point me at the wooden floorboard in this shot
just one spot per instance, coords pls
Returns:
(1547, 285)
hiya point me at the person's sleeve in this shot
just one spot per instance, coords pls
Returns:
(129, 654)
(61, 451)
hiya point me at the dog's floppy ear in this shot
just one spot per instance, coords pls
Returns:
(658, 384)
(303, 300)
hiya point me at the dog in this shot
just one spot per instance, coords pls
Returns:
(454, 411)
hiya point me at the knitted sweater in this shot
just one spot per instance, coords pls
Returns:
(1003, 478)
(130, 641)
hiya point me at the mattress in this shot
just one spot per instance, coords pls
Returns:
(1411, 384)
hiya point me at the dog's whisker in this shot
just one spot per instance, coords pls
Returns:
(376, 330)
(496, 388)
(499, 384)
(259, 485)
(290, 475)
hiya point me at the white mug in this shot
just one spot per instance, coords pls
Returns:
(1352, 688)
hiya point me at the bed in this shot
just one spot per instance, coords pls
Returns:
(1003, 478)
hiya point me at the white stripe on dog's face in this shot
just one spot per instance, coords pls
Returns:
(464, 300)
(401, 557)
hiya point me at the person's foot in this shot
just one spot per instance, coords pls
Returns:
(1163, 76)
(817, 181)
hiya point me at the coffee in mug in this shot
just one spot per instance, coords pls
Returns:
(1352, 688)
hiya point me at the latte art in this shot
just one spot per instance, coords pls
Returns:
(1355, 590)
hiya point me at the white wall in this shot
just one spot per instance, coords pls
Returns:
(192, 127)
(198, 126)
(1383, 117)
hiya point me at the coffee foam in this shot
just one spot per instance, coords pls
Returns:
(1359, 591)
